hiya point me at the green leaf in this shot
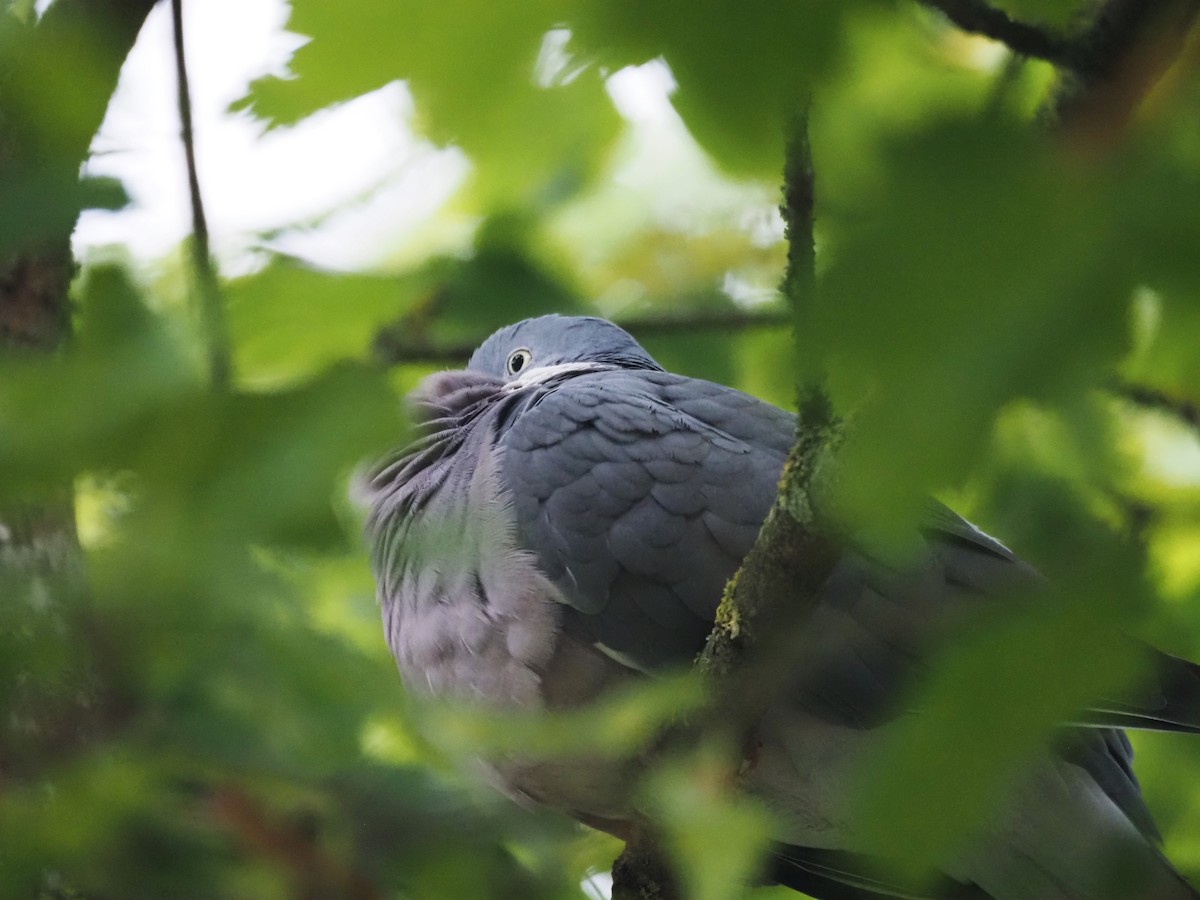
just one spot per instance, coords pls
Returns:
(983, 720)
(986, 256)
(744, 68)
(1160, 237)
(621, 723)
(21, 10)
(501, 283)
(998, 692)
(717, 836)
(85, 408)
(215, 475)
(289, 320)
(472, 70)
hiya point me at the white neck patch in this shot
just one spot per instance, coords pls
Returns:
(539, 374)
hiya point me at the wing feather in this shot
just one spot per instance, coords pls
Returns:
(643, 508)
(641, 491)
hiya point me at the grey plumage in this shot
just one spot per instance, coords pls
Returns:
(568, 522)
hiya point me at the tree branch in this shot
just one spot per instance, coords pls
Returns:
(977, 17)
(1122, 54)
(1106, 68)
(759, 636)
(641, 872)
(799, 284)
(55, 701)
(261, 832)
(208, 291)
(34, 311)
(1119, 26)
(1147, 397)
(795, 549)
(392, 346)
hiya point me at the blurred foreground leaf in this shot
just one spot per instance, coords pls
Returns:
(484, 78)
(996, 694)
(289, 320)
(990, 269)
(614, 726)
(716, 835)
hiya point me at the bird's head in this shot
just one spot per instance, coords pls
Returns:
(548, 345)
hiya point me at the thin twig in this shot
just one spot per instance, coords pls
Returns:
(1020, 37)
(391, 348)
(722, 320)
(37, 266)
(1186, 411)
(212, 312)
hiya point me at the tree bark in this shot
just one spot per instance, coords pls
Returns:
(642, 872)
(48, 690)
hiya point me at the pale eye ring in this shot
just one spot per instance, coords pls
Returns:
(519, 360)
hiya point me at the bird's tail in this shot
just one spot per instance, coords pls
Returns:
(838, 875)
(1167, 699)
(1064, 838)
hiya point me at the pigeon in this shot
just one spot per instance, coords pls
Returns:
(565, 525)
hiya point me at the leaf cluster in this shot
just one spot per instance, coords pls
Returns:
(982, 283)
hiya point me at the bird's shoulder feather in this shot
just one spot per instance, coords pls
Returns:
(640, 492)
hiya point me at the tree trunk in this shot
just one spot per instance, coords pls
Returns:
(49, 696)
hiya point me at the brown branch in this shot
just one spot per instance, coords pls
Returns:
(977, 17)
(1106, 68)
(289, 845)
(391, 347)
(1124, 51)
(212, 311)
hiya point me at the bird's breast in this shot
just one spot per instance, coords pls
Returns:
(467, 613)
(469, 616)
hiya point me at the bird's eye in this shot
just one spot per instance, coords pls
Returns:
(518, 360)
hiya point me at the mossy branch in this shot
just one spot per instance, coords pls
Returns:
(759, 632)
(766, 604)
